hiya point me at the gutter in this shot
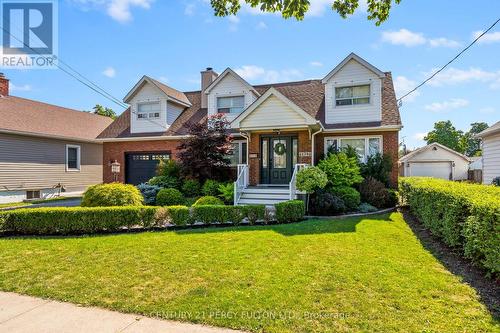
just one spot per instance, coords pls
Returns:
(365, 129)
(146, 138)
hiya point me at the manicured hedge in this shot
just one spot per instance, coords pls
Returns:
(290, 211)
(114, 194)
(463, 215)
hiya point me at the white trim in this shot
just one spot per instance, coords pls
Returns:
(357, 58)
(228, 96)
(139, 103)
(49, 136)
(272, 91)
(365, 137)
(385, 128)
(78, 158)
(434, 144)
(240, 153)
(233, 73)
(151, 81)
(368, 83)
(146, 138)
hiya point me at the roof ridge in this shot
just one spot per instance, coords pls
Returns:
(263, 85)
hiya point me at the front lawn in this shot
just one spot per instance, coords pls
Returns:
(356, 274)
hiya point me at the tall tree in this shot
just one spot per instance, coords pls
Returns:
(472, 144)
(378, 10)
(205, 154)
(102, 111)
(446, 134)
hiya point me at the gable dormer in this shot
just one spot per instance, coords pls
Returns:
(154, 106)
(230, 94)
(353, 92)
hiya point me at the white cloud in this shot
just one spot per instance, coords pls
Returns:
(403, 85)
(258, 74)
(492, 37)
(119, 10)
(420, 136)
(454, 103)
(109, 72)
(453, 76)
(410, 39)
(24, 87)
(189, 9)
(261, 26)
(234, 21)
(487, 110)
(315, 64)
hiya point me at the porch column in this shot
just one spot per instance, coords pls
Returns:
(254, 158)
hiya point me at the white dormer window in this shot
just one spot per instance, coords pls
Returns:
(353, 95)
(150, 110)
(232, 104)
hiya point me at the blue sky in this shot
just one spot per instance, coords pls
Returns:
(115, 42)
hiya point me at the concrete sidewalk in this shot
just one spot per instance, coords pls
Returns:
(28, 314)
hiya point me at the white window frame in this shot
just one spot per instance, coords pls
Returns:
(240, 151)
(229, 96)
(148, 113)
(367, 143)
(352, 84)
(78, 158)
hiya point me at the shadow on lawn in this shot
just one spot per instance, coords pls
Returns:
(487, 289)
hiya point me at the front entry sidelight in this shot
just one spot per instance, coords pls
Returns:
(279, 155)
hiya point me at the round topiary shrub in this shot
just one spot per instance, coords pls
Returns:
(350, 196)
(310, 179)
(169, 197)
(114, 194)
(208, 200)
(191, 188)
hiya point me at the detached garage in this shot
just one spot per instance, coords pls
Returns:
(435, 160)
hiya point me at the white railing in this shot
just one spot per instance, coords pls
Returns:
(293, 181)
(241, 182)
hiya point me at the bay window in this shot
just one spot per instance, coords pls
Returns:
(364, 146)
(231, 104)
(353, 95)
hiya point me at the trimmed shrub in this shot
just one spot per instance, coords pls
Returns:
(254, 213)
(350, 196)
(165, 182)
(377, 166)
(178, 215)
(290, 211)
(226, 192)
(149, 193)
(168, 168)
(208, 200)
(211, 188)
(191, 188)
(341, 170)
(77, 220)
(210, 214)
(324, 203)
(463, 215)
(114, 194)
(310, 179)
(376, 194)
(169, 197)
(367, 208)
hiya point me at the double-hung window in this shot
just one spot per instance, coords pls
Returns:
(73, 158)
(364, 146)
(238, 154)
(353, 95)
(232, 104)
(150, 110)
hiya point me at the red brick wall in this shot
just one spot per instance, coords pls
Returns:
(390, 146)
(4, 86)
(116, 151)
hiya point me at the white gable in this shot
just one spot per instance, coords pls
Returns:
(148, 93)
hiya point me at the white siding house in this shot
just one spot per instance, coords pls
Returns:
(435, 160)
(491, 153)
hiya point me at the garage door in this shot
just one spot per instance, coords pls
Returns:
(141, 167)
(435, 169)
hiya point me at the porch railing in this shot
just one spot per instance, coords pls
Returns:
(293, 181)
(241, 182)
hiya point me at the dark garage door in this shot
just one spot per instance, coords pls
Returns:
(141, 167)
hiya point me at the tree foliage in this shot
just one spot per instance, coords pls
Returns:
(341, 170)
(446, 134)
(378, 10)
(471, 144)
(205, 152)
(102, 111)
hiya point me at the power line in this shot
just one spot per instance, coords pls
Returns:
(449, 62)
(90, 84)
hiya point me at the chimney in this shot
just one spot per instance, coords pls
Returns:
(207, 77)
(4, 85)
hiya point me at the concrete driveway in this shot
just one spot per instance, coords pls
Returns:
(74, 202)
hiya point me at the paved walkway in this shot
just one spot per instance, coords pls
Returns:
(74, 202)
(28, 314)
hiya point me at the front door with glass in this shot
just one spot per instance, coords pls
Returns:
(278, 157)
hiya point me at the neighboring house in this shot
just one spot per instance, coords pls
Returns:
(354, 105)
(46, 149)
(435, 160)
(491, 152)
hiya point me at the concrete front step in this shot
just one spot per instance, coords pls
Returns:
(254, 195)
(264, 201)
(264, 190)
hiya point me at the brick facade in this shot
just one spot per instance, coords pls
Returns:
(116, 151)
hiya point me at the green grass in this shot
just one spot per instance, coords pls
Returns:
(351, 275)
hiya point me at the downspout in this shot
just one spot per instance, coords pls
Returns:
(313, 135)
